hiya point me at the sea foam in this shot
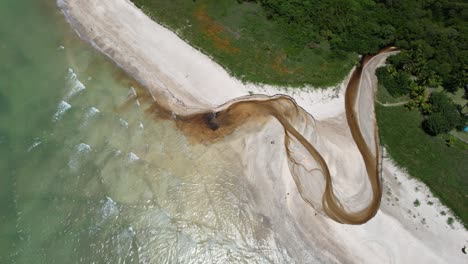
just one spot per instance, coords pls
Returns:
(74, 86)
(36, 143)
(80, 151)
(110, 209)
(61, 109)
(90, 113)
(132, 157)
(82, 147)
(123, 123)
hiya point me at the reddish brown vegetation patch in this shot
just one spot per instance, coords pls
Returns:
(279, 67)
(213, 30)
(278, 64)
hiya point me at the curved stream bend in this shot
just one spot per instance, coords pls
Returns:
(210, 125)
(117, 40)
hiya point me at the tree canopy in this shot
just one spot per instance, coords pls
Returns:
(433, 34)
(445, 115)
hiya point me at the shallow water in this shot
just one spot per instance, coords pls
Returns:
(85, 180)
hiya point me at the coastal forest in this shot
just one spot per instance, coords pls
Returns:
(431, 34)
(423, 90)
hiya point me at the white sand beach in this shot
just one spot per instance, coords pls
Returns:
(184, 80)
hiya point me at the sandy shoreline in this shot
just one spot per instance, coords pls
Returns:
(184, 80)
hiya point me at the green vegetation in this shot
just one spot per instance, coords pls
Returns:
(384, 97)
(426, 157)
(297, 42)
(432, 34)
(450, 221)
(249, 44)
(416, 203)
(461, 135)
(396, 83)
(443, 115)
(433, 58)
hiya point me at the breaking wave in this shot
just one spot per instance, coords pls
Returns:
(74, 85)
(61, 109)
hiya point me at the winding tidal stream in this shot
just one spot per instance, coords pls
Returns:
(89, 173)
(213, 125)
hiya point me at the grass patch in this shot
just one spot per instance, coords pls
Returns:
(250, 46)
(384, 96)
(427, 158)
(416, 203)
(461, 135)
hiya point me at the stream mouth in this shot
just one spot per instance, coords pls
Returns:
(213, 125)
(87, 179)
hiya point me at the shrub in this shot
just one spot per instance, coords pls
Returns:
(396, 83)
(450, 220)
(445, 115)
(435, 124)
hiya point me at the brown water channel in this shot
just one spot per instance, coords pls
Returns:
(213, 125)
